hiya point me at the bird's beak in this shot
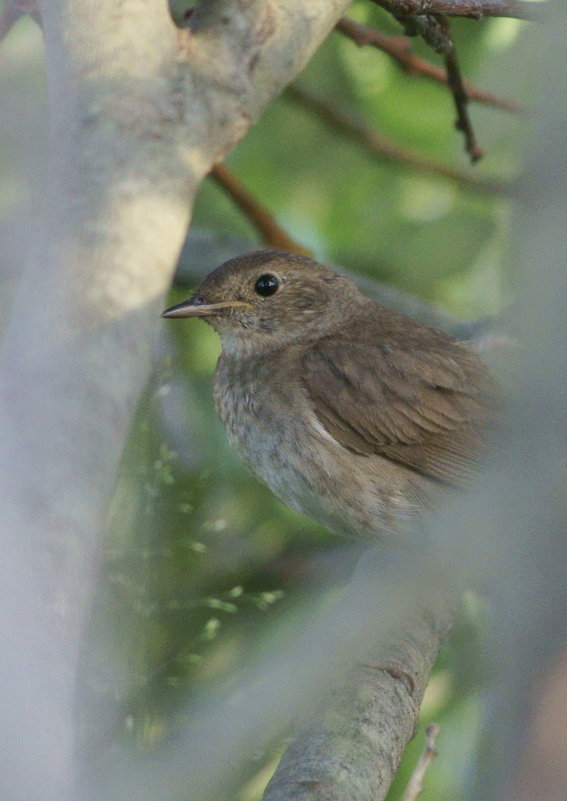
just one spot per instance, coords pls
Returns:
(196, 306)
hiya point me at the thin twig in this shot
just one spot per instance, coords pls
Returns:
(261, 218)
(399, 48)
(387, 150)
(460, 96)
(415, 784)
(475, 9)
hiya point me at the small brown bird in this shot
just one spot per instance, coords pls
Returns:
(350, 412)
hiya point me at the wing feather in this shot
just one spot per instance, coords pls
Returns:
(422, 409)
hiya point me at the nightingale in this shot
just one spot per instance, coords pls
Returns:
(351, 413)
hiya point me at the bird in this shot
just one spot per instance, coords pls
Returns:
(350, 412)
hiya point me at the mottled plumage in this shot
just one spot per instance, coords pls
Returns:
(351, 413)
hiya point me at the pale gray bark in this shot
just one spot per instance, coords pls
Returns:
(139, 112)
(353, 749)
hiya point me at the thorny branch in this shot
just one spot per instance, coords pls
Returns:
(460, 96)
(436, 32)
(428, 19)
(399, 48)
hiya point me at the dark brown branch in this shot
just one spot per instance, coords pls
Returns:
(399, 48)
(475, 9)
(387, 150)
(261, 219)
(455, 81)
(431, 31)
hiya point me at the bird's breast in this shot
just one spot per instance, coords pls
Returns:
(257, 419)
(238, 398)
(270, 424)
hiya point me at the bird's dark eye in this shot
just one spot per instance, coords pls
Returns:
(267, 285)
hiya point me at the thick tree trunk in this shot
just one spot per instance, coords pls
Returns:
(139, 112)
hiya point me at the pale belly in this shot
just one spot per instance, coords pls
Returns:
(305, 467)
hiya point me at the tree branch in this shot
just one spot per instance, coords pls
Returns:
(140, 112)
(353, 750)
(387, 150)
(261, 218)
(415, 784)
(475, 9)
(399, 48)
(456, 84)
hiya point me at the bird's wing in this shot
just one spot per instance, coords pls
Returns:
(422, 409)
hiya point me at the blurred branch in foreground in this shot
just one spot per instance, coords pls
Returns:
(415, 784)
(296, 682)
(138, 119)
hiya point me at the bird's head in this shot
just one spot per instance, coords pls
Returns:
(270, 298)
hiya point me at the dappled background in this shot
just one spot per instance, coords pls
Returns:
(201, 561)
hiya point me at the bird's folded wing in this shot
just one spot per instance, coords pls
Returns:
(422, 409)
